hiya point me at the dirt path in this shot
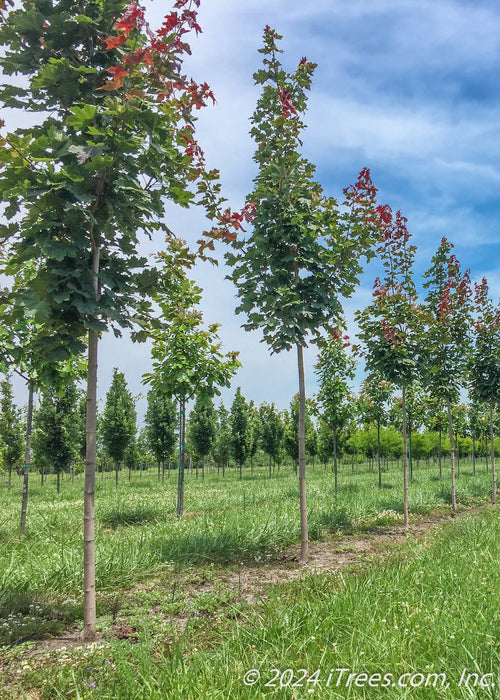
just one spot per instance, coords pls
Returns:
(326, 556)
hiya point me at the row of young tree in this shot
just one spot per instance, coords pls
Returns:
(237, 437)
(115, 144)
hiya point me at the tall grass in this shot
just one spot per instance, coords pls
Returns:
(226, 520)
(431, 609)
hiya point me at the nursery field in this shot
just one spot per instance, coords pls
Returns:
(173, 624)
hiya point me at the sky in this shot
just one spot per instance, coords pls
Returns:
(408, 89)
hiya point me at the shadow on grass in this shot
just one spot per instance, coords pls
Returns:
(26, 615)
(224, 547)
(332, 521)
(349, 488)
(395, 504)
(131, 515)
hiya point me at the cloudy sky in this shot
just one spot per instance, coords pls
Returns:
(408, 89)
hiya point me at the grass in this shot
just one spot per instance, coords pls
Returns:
(226, 521)
(429, 609)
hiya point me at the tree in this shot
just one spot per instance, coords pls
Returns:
(11, 431)
(253, 432)
(201, 429)
(221, 450)
(18, 353)
(415, 412)
(117, 145)
(485, 361)
(446, 336)
(187, 357)
(302, 255)
(373, 399)
(435, 419)
(335, 368)
(271, 432)
(118, 420)
(325, 441)
(161, 424)
(390, 325)
(240, 434)
(291, 422)
(56, 430)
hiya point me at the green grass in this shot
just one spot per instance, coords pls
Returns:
(431, 608)
(226, 521)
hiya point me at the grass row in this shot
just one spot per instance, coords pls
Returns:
(429, 611)
(226, 521)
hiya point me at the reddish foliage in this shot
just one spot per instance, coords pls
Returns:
(162, 58)
(389, 331)
(114, 41)
(287, 108)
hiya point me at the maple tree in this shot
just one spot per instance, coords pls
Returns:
(373, 398)
(201, 431)
(161, 422)
(335, 368)
(19, 354)
(221, 450)
(79, 187)
(240, 436)
(415, 408)
(446, 337)
(55, 436)
(187, 356)
(271, 432)
(118, 420)
(11, 437)
(303, 253)
(485, 361)
(390, 327)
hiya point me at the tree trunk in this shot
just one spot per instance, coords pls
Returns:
(89, 597)
(304, 539)
(473, 455)
(182, 449)
(27, 459)
(405, 463)
(378, 456)
(335, 465)
(10, 475)
(269, 467)
(440, 454)
(159, 469)
(58, 481)
(452, 459)
(116, 474)
(493, 473)
(162, 472)
(410, 461)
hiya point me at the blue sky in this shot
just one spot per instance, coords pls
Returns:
(408, 89)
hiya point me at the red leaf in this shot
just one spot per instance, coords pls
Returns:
(113, 84)
(118, 71)
(114, 41)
